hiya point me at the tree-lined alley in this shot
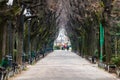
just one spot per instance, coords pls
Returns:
(28, 29)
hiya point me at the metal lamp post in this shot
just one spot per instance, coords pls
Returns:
(29, 41)
(9, 56)
(29, 53)
(22, 21)
(10, 44)
(101, 42)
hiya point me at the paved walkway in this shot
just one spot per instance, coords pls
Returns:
(64, 65)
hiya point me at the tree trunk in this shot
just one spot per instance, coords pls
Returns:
(107, 26)
(20, 39)
(4, 40)
(108, 43)
(1, 41)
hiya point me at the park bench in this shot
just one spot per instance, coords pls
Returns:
(102, 65)
(89, 58)
(15, 67)
(3, 73)
(118, 71)
(92, 59)
(111, 68)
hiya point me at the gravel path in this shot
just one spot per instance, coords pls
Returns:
(64, 65)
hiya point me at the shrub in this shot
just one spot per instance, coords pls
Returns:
(116, 60)
(56, 47)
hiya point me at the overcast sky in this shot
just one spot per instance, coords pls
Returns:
(10, 2)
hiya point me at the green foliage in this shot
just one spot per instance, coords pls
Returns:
(118, 24)
(16, 10)
(56, 47)
(116, 60)
(102, 4)
(98, 16)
